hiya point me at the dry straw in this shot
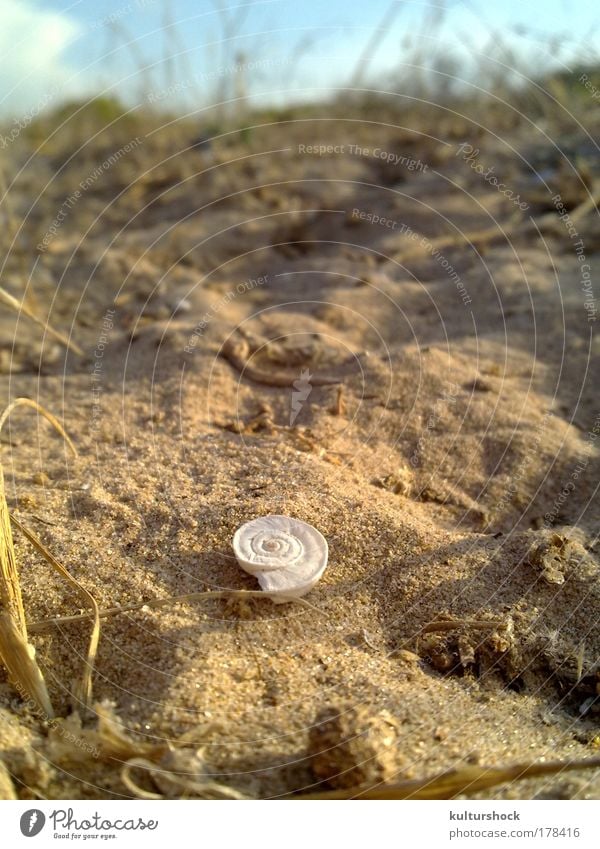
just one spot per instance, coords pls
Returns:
(16, 653)
(20, 307)
(467, 780)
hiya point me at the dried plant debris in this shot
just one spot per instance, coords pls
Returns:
(353, 752)
(180, 774)
(175, 770)
(69, 742)
(263, 420)
(349, 747)
(481, 647)
(554, 558)
(522, 658)
(399, 482)
(574, 674)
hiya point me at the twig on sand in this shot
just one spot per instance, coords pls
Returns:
(453, 624)
(46, 624)
(237, 352)
(515, 226)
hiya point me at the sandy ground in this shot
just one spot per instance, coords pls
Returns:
(453, 474)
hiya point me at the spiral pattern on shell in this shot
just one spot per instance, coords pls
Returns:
(272, 549)
(287, 556)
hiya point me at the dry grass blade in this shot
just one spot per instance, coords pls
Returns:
(133, 787)
(28, 402)
(454, 624)
(10, 588)
(45, 624)
(447, 785)
(16, 653)
(185, 786)
(116, 744)
(592, 202)
(85, 691)
(19, 659)
(20, 307)
(7, 788)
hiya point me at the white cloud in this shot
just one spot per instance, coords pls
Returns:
(35, 71)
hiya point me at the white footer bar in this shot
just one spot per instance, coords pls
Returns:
(292, 824)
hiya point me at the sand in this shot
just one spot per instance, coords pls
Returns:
(454, 474)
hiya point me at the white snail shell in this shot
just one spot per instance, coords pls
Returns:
(286, 555)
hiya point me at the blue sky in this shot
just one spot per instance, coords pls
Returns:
(55, 50)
